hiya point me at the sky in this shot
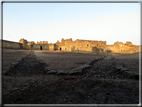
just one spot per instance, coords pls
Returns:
(110, 22)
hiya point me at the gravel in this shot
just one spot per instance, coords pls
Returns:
(29, 66)
(104, 69)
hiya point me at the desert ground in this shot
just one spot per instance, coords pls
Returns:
(100, 83)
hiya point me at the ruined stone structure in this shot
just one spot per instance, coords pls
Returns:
(42, 42)
(78, 46)
(11, 45)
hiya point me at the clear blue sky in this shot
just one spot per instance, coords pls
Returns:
(50, 22)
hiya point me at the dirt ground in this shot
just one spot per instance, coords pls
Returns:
(131, 61)
(64, 60)
(99, 84)
(9, 55)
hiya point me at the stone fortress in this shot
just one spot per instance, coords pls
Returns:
(78, 46)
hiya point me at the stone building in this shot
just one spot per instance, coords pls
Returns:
(81, 46)
(78, 46)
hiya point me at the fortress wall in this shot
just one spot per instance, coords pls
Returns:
(70, 45)
(56, 47)
(75, 46)
(10, 44)
(38, 47)
(42, 42)
(24, 43)
(123, 48)
(99, 44)
(28, 47)
(83, 45)
(60, 44)
(87, 45)
(113, 48)
(133, 49)
(51, 47)
(99, 50)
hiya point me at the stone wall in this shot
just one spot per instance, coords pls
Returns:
(42, 42)
(78, 46)
(39, 47)
(24, 43)
(100, 50)
(120, 47)
(11, 45)
(51, 47)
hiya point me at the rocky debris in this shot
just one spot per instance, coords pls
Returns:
(19, 60)
(119, 65)
(131, 74)
(79, 69)
(37, 58)
(101, 84)
(6, 69)
(125, 71)
(103, 69)
(62, 72)
(29, 66)
(51, 72)
(26, 84)
(47, 69)
(83, 91)
(14, 64)
(89, 62)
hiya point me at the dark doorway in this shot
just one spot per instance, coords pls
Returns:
(40, 47)
(60, 48)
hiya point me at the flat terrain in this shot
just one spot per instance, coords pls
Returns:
(63, 60)
(131, 61)
(101, 83)
(9, 55)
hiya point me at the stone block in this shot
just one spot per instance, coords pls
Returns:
(85, 66)
(76, 71)
(18, 60)
(89, 62)
(42, 62)
(14, 64)
(124, 69)
(62, 72)
(47, 69)
(119, 67)
(79, 69)
(51, 72)
(135, 76)
(131, 74)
